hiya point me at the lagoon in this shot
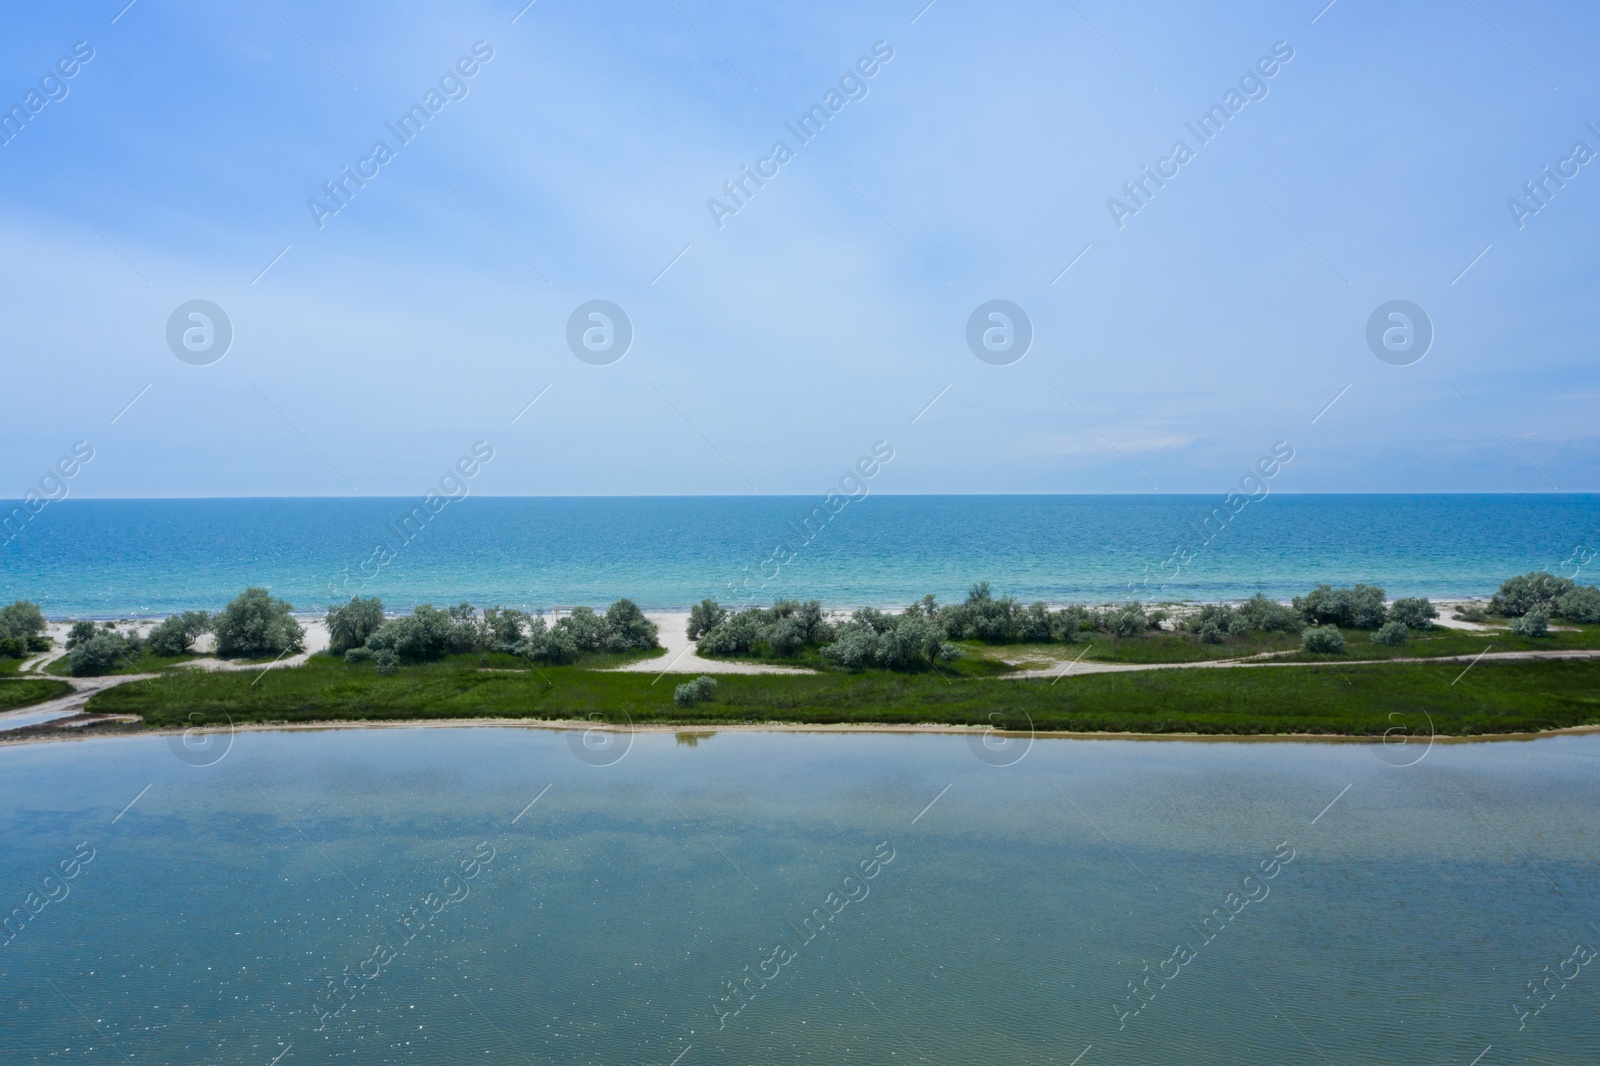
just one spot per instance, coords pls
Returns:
(515, 895)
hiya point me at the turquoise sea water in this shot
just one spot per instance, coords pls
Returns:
(1399, 915)
(155, 556)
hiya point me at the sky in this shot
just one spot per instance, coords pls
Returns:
(1178, 333)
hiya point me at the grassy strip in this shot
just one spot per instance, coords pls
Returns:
(1348, 700)
(22, 692)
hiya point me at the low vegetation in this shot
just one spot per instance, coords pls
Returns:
(428, 633)
(934, 663)
(22, 628)
(23, 692)
(1496, 697)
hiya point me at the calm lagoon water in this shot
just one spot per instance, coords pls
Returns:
(1004, 926)
(152, 557)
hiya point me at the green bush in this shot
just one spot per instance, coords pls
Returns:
(37, 644)
(691, 692)
(176, 634)
(1521, 594)
(503, 627)
(549, 644)
(1581, 604)
(80, 632)
(1322, 640)
(351, 624)
(903, 642)
(13, 647)
(21, 619)
(1129, 620)
(784, 629)
(386, 661)
(703, 617)
(1360, 607)
(627, 629)
(1264, 616)
(1392, 633)
(1535, 623)
(359, 655)
(102, 653)
(1414, 613)
(1471, 612)
(256, 626)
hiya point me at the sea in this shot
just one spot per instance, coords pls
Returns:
(505, 896)
(130, 558)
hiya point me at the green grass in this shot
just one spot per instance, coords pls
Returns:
(1350, 700)
(1160, 646)
(145, 663)
(1436, 642)
(22, 692)
(9, 666)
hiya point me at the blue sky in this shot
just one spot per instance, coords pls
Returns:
(832, 308)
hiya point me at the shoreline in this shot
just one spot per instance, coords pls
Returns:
(81, 731)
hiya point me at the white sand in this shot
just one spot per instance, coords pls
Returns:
(681, 659)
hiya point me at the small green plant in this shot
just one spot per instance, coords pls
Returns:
(1323, 640)
(1414, 613)
(1582, 605)
(1535, 623)
(387, 662)
(1392, 634)
(691, 692)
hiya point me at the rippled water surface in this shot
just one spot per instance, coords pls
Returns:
(746, 897)
(151, 557)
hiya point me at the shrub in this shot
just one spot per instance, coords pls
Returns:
(1129, 620)
(691, 692)
(627, 629)
(1471, 612)
(703, 617)
(421, 636)
(101, 653)
(896, 642)
(503, 628)
(387, 662)
(176, 634)
(358, 655)
(1535, 623)
(1214, 621)
(1265, 616)
(783, 629)
(1581, 604)
(982, 617)
(1322, 640)
(351, 624)
(21, 619)
(1414, 613)
(13, 647)
(547, 644)
(1392, 633)
(256, 626)
(39, 644)
(587, 629)
(1360, 607)
(80, 632)
(463, 631)
(1521, 594)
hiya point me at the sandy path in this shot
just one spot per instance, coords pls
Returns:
(316, 640)
(68, 705)
(681, 658)
(1069, 669)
